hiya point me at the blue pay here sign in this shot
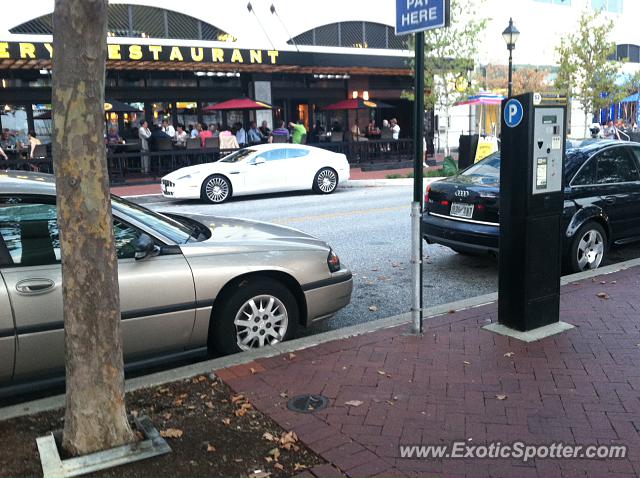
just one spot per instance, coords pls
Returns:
(418, 15)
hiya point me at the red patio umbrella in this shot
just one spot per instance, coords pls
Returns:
(356, 104)
(239, 104)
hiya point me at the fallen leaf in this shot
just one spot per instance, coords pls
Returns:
(167, 416)
(268, 459)
(509, 354)
(373, 308)
(278, 466)
(603, 281)
(466, 362)
(275, 453)
(288, 438)
(209, 405)
(210, 448)
(614, 282)
(603, 295)
(163, 390)
(134, 413)
(268, 436)
(237, 398)
(354, 403)
(183, 396)
(178, 403)
(284, 395)
(501, 396)
(252, 370)
(298, 467)
(292, 356)
(382, 372)
(171, 433)
(226, 421)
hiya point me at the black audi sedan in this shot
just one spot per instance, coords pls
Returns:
(601, 205)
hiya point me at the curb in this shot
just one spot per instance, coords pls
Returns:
(205, 367)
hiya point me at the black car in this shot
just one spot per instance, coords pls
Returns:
(601, 205)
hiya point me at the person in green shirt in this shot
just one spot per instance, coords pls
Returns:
(298, 131)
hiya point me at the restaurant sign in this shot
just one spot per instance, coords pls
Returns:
(121, 52)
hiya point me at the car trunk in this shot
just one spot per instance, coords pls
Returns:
(466, 198)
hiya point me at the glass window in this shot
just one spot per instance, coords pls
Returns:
(616, 166)
(613, 6)
(274, 154)
(238, 155)
(125, 237)
(29, 232)
(586, 176)
(490, 166)
(557, 2)
(297, 153)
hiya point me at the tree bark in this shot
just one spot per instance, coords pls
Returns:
(95, 417)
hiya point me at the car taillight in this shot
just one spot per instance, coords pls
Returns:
(426, 194)
(333, 261)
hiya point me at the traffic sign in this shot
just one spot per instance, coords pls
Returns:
(513, 113)
(419, 15)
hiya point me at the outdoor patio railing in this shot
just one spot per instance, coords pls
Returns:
(128, 166)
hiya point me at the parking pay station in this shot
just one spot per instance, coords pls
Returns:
(531, 204)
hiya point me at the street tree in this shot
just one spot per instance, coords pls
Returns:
(525, 79)
(450, 55)
(586, 70)
(95, 416)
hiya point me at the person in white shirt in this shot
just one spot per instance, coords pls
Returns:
(241, 135)
(395, 129)
(168, 129)
(144, 133)
(181, 137)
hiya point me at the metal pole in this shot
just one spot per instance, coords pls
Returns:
(416, 205)
(510, 71)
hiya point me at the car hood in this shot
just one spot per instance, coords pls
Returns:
(199, 169)
(244, 234)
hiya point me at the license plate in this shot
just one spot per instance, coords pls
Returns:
(462, 210)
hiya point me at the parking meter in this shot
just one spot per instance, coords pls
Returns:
(531, 204)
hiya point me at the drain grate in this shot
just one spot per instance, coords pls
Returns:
(307, 403)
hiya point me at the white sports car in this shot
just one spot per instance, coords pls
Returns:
(266, 168)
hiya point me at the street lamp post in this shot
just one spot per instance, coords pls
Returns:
(510, 36)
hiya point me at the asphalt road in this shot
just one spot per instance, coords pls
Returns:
(370, 229)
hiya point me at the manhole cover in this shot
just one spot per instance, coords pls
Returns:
(307, 403)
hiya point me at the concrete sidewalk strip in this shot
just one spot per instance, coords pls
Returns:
(433, 315)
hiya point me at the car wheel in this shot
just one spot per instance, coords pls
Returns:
(258, 313)
(326, 181)
(216, 189)
(588, 248)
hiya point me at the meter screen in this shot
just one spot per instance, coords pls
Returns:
(541, 173)
(550, 119)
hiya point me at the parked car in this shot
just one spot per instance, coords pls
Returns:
(265, 168)
(186, 283)
(601, 207)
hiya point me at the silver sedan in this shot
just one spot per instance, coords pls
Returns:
(186, 283)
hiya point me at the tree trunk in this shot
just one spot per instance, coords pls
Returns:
(95, 417)
(586, 126)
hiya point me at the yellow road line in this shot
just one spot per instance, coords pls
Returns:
(356, 212)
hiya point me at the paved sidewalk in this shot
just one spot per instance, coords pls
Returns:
(459, 382)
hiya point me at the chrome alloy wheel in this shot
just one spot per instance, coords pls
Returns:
(590, 250)
(327, 180)
(217, 189)
(262, 320)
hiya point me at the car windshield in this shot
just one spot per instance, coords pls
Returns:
(169, 228)
(489, 166)
(238, 155)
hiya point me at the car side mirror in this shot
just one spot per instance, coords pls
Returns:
(257, 161)
(145, 247)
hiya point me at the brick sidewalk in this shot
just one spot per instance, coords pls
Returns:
(582, 387)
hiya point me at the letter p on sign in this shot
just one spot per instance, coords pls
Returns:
(513, 113)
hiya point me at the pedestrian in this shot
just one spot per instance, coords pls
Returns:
(213, 127)
(181, 137)
(228, 140)
(298, 131)
(373, 132)
(280, 132)
(144, 133)
(33, 142)
(241, 135)
(395, 129)
(356, 134)
(4, 155)
(254, 135)
(204, 134)
(609, 131)
(316, 132)
(168, 129)
(265, 131)
(195, 132)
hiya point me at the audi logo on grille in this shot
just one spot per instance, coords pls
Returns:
(462, 194)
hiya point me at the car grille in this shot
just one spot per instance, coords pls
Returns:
(167, 184)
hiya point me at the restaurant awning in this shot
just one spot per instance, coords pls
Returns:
(482, 99)
(239, 104)
(631, 99)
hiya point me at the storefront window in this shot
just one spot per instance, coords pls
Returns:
(14, 118)
(187, 112)
(162, 111)
(42, 122)
(210, 117)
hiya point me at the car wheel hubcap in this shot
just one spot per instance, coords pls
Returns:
(590, 250)
(327, 180)
(217, 189)
(262, 320)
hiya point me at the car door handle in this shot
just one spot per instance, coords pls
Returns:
(35, 286)
(610, 200)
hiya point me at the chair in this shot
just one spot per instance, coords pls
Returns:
(337, 137)
(37, 246)
(193, 143)
(210, 143)
(279, 138)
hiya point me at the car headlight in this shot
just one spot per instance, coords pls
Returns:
(188, 176)
(333, 261)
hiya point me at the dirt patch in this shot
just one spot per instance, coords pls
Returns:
(212, 432)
